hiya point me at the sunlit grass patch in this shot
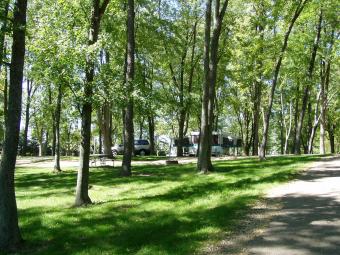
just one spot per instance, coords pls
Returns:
(159, 210)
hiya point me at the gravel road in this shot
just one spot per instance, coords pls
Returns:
(301, 217)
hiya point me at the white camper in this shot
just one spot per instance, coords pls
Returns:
(221, 144)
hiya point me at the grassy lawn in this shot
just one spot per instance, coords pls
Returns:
(160, 210)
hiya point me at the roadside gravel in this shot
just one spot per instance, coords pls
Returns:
(301, 217)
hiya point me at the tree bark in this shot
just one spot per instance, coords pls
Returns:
(68, 143)
(40, 134)
(181, 123)
(3, 50)
(54, 134)
(45, 148)
(306, 91)
(82, 197)
(128, 109)
(27, 114)
(210, 72)
(106, 129)
(257, 93)
(330, 129)
(10, 237)
(204, 160)
(287, 129)
(325, 76)
(4, 14)
(57, 130)
(5, 93)
(256, 117)
(296, 115)
(263, 146)
(151, 122)
(244, 121)
(100, 126)
(315, 124)
(141, 126)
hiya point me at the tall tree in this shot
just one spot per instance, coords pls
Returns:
(10, 237)
(307, 87)
(30, 92)
(4, 7)
(57, 129)
(211, 43)
(257, 83)
(82, 197)
(287, 128)
(297, 12)
(104, 120)
(129, 86)
(4, 13)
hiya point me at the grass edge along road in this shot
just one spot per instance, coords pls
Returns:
(159, 210)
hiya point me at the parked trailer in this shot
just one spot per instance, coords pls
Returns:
(221, 144)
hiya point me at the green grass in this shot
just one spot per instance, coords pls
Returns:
(160, 210)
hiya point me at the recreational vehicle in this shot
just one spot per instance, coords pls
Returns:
(220, 145)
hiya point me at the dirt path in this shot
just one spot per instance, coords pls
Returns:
(298, 218)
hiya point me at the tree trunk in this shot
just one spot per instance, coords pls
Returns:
(288, 131)
(204, 160)
(309, 124)
(100, 126)
(256, 116)
(289, 127)
(141, 125)
(322, 138)
(57, 128)
(296, 116)
(5, 93)
(100, 145)
(210, 72)
(315, 124)
(151, 122)
(82, 197)
(331, 128)
(4, 15)
(257, 93)
(106, 129)
(40, 134)
(46, 143)
(54, 135)
(281, 134)
(27, 115)
(263, 146)
(128, 110)
(68, 144)
(307, 88)
(311, 138)
(325, 76)
(181, 123)
(10, 237)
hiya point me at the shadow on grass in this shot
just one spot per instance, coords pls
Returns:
(123, 230)
(148, 219)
